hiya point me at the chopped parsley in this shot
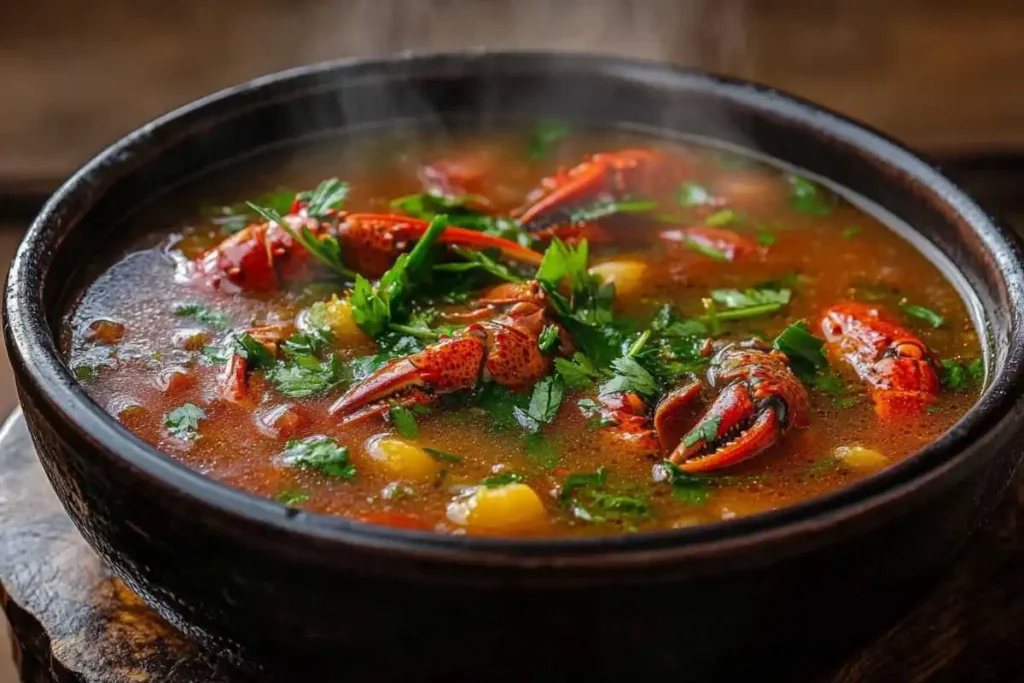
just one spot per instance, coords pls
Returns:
(765, 237)
(427, 205)
(688, 489)
(630, 376)
(256, 355)
(235, 217)
(441, 456)
(302, 376)
(706, 430)
(321, 454)
(803, 349)
(706, 250)
(503, 479)
(850, 232)
(578, 373)
(734, 299)
(404, 421)
(478, 260)
(183, 421)
(722, 218)
(544, 403)
(580, 480)
(203, 315)
(374, 307)
(324, 198)
(808, 198)
(546, 137)
(291, 497)
(548, 338)
(691, 194)
(605, 209)
(926, 314)
(959, 375)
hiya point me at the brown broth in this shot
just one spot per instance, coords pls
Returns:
(845, 254)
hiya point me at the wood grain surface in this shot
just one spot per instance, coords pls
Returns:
(941, 74)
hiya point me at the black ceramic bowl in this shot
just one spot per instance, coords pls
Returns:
(269, 585)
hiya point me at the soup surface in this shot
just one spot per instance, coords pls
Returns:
(528, 332)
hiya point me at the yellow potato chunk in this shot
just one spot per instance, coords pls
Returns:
(860, 458)
(335, 314)
(627, 276)
(503, 509)
(398, 458)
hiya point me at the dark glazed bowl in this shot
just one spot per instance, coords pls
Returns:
(279, 588)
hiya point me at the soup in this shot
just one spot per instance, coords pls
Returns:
(524, 333)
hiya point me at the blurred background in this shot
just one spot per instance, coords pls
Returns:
(943, 75)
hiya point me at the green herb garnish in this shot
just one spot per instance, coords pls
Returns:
(546, 138)
(481, 260)
(404, 421)
(548, 338)
(325, 197)
(291, 497)
(503, 479)
(544, 403)
(691, 194)
(629, 376)
(303, 375)
(850, 232)
(688, 489)
(203, 315)
(441, 456)
(605, 209)
(926, 314)
(807, 197)
(803, 349)
(183, 421)
(580, 480)
(958, 375)
(321, 454)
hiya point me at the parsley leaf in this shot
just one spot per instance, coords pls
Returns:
(850, 232)
(691, 194)
(324, 197)
(404, 420)
(321, 454)
(183, 421)
(481, 260)
(546, 137)
(706, 430)
(630, 376)
(957, 375)
(580, 480)
(619, 504)
(502, 479)
(562, 260)
(735, 299)
(256, 355)
(711, 252)
(803, 349)
(806, 197)
(605, 209)
(548, 338)
(578, 373)
(427, 205)
(291, 497)
(441, 456)
(324, 248)
(925, 314)
(202, 314)
(688, 489)
(303, 375)
(544, 403)
(722, 218)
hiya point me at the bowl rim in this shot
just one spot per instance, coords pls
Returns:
(41, 370)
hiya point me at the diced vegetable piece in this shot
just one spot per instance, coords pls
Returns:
(191, 339)
(105, 331)
(627, 276)
(860, 458)
(503, 509)
(399, 458)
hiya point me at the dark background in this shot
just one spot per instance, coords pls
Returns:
(946, 76)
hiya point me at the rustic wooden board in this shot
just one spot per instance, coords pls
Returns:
(72, 621)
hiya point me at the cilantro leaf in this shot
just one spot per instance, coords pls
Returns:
(324, 248)
(502, 479)
(619, 504)
(404, 421)
(427, 205)
(256, 354)
(803, 349)
(806, 197)
(202, 314)
(561, 260)
(326, 196)
(765, 237)
(957, 375)
(183, 421)
(481, 260)
(546, 137)
(544, 403)
(925, 314)
(291, 497)
(580, 480)
(319, 453)
(706, 430)
(722, 218)
(735, 299)
(607, 208)
(548, 338)
(303, 376)
(691, 194)
(704, 249)
(688, 489)
(441, 456)
(311, 343)
(578, 373)
(630, 376)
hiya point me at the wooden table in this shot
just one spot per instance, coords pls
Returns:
(72, 621)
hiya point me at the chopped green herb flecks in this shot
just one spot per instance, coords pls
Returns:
(807, 197)
(204, 315)
(692, 194)
(183, 422)
(544, 403)
(441, 456)
(926, 314)
(850, 232)
(503, 479)
(960, 375)
(404, 421)
(291, 497)
(546, 138)
(321, 454)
